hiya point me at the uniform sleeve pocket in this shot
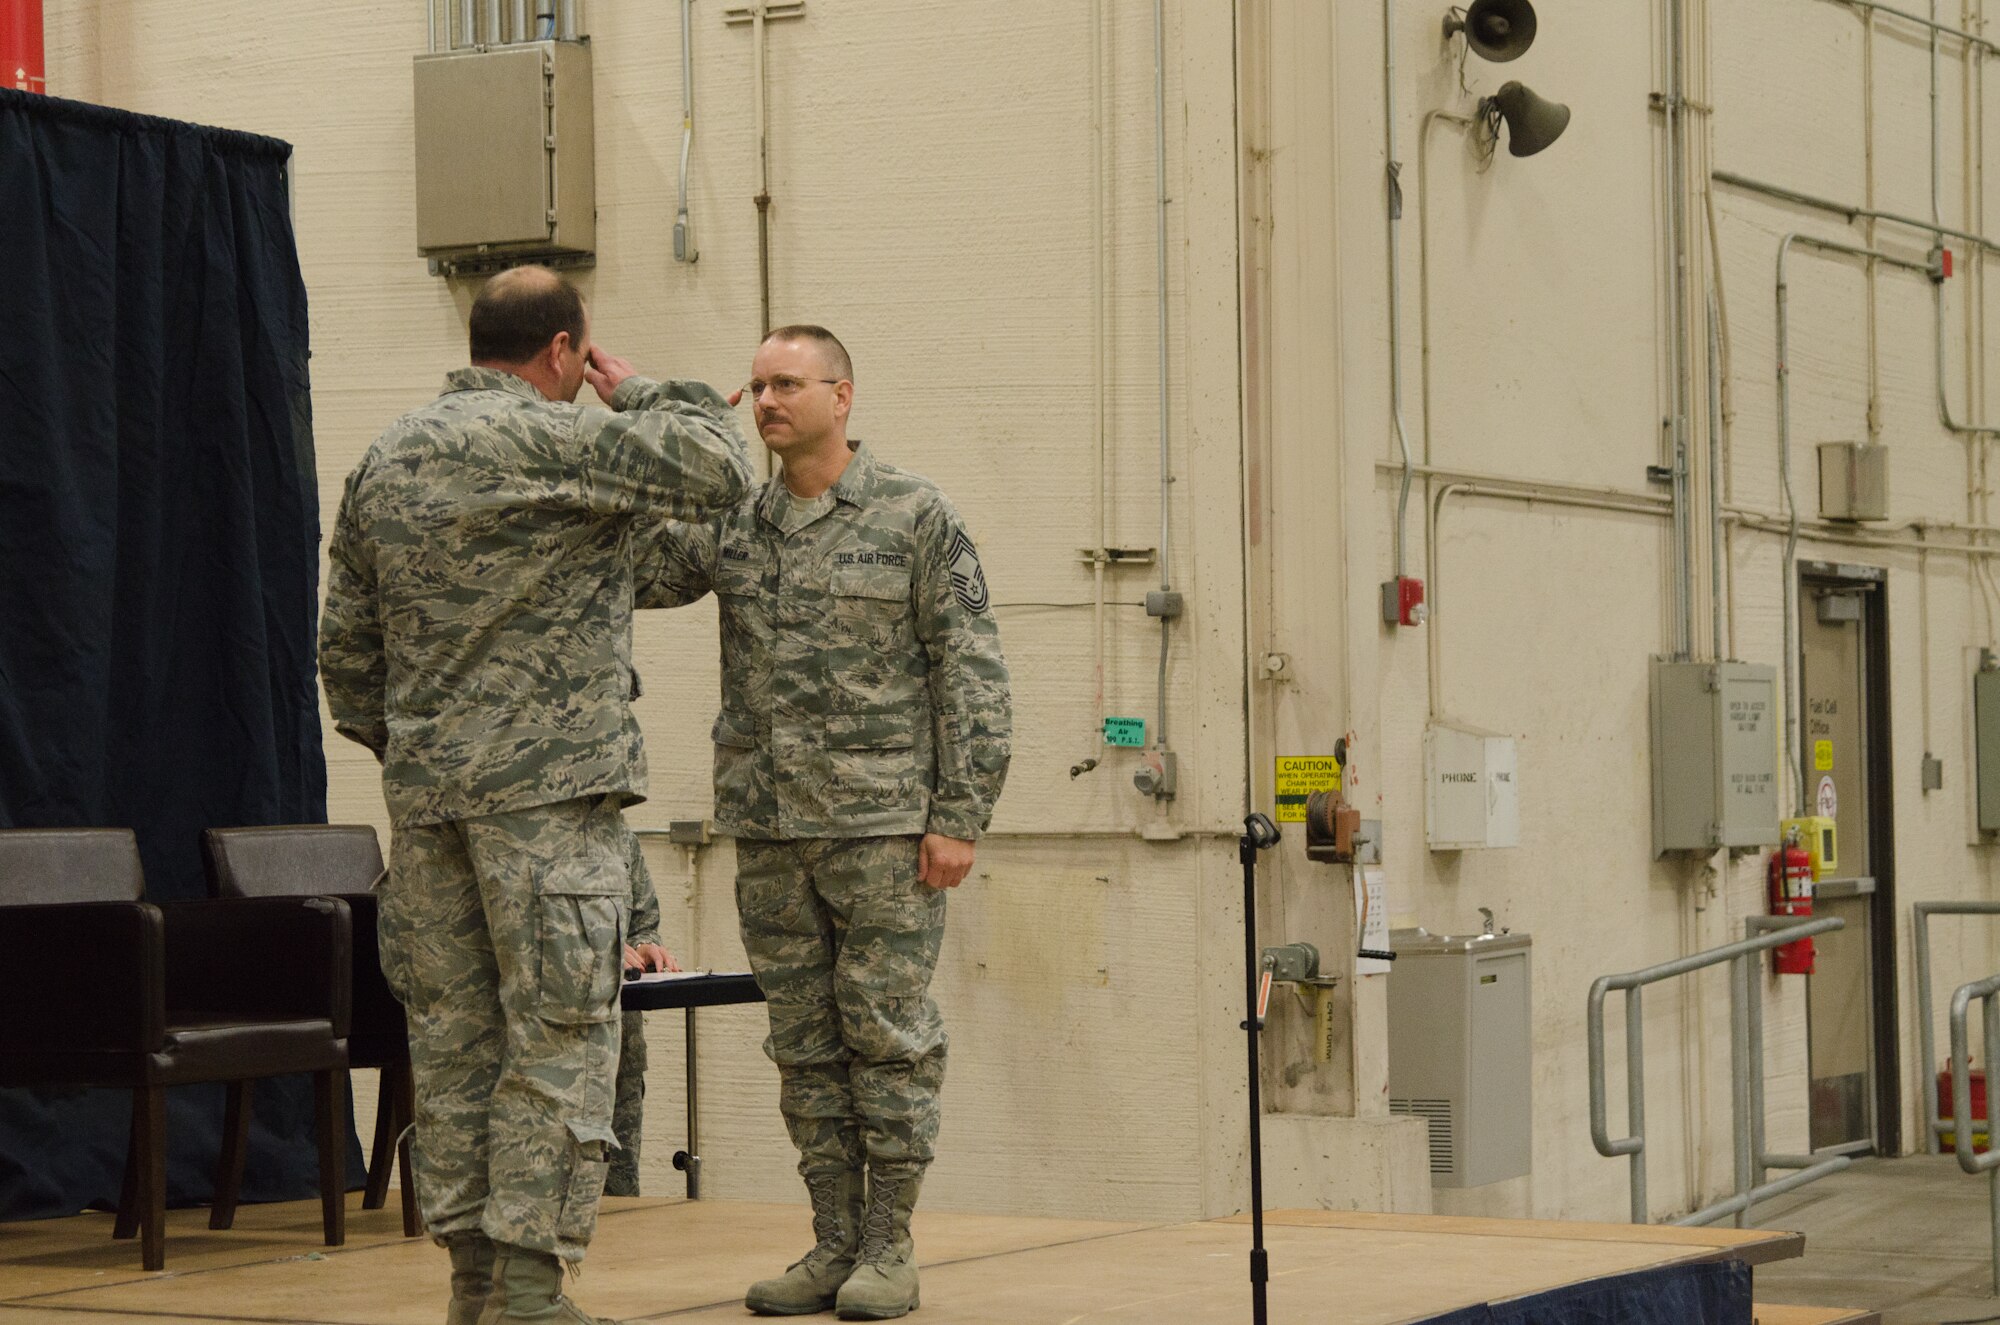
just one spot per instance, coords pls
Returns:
(870, 731)
(735, 730)
(580, 919)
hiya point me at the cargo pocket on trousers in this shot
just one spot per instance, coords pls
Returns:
(589, 1161)
(580, 917)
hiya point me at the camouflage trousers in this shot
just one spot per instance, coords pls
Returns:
(843, 940)
(501, 935)
(628, 1114)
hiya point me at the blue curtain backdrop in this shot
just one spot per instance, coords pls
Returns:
(159, 532)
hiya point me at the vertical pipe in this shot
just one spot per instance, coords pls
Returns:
(1677, 336)
(1166, 457)
(519, 28)
(684, 250)
(1099, 388)
(431, 25)
(1794, 772)
(468, 24)
(23, 56)
(1394, 185)
(545, 19)
(1717, 547)
(763, 198)
(492, 35)
(1635, 1098)
(566, 20)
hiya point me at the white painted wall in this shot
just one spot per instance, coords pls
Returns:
(933, 176)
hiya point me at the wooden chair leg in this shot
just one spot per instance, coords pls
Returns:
(229, 1165)
(406, 1116)
(329, 1089)
(382, 1154)
(127, 1224)
(153, 1179)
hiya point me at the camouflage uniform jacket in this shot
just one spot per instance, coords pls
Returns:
(863, 689)
(478, 626)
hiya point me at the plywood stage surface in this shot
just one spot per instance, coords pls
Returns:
(690, 1261)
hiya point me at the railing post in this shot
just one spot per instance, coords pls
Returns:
(1635, 1098)
(1991, 1025)
(1739, 1078)
(1920, 923)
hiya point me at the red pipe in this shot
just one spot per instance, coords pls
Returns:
(22, 59)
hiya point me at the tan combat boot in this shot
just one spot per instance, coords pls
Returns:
(527, 1288)
(471, 1277)
(813, 1280)
(884, 1283)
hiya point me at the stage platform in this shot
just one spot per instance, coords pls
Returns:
(689, 1262)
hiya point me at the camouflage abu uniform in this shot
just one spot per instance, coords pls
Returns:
(477, 638)
(864, 703)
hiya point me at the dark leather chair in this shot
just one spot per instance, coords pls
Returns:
(102, 988)
(344, 861)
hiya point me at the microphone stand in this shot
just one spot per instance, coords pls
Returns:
(1258, 833)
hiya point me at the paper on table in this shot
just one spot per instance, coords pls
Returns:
(659, 977)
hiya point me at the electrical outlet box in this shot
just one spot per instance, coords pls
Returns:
(506, 166)
(1471, 798)
(1853, 481)
(1715, 755)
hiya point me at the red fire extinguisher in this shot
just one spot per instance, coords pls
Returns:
(1791, 877)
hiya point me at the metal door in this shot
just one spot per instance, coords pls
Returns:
(1844, 757)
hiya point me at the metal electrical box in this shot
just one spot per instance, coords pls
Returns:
(1853, 481)
(1715, 755)
(506, 167)
(1986, 727)
(1461, 1042)
(1471, 797)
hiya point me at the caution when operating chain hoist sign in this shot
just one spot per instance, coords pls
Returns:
(1299, 776)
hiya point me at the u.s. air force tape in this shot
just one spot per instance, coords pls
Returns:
(968, 581)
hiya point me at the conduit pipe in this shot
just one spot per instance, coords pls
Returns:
(1718, 552)
(684, 250)
(763, 198)
(1394, 185)
(1853, 213)
(566, 20)
(1166, 459)
(1792, 748)
(1677, 335)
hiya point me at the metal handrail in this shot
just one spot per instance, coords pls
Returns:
(1920, 918)
(1961, 1096)
(1746, 1045)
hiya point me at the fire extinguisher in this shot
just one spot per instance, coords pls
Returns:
(1791, 876)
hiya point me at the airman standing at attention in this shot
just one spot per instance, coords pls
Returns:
(862, 743)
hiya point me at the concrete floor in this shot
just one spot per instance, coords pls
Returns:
(1906, 1237)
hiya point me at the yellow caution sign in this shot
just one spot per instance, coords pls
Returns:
(1299, 776)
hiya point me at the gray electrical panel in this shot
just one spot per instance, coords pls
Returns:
(1853, 481)
(1715, 755)
(1461, 1051)
(506, 167)
(1986, 720)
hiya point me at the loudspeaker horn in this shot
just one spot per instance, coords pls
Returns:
(1532, 122)
(1497, 30)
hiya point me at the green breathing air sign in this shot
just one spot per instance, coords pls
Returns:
(1126, 732)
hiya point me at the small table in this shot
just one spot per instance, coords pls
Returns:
(695, 991)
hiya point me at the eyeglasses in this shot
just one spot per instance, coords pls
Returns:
(785, 387)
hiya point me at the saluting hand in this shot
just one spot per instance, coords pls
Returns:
(942, 862)
(605, 371)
